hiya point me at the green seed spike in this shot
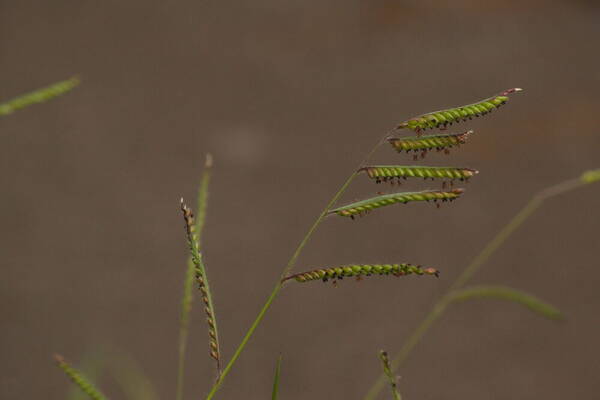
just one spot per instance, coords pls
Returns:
(78, 379)
(443, 118)
(387, 172)
(360, 270)
(38, 96)
(429, 142)
(363, 206)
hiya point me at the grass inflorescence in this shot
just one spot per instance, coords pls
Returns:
(200, 272)
(360, 270)
(38, 96)
(443, 118)
(78, 379)
(385, 173)
(361, 207)
(423, 144)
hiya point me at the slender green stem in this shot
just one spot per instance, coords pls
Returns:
(286, 271)
(534, 203)
(188, 294)
(275, 392)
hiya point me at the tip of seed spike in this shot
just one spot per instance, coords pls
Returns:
(208, 162)
(58, 358)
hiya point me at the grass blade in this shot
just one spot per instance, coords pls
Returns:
(276, 379)
(38, 96)
(388, 372)
(78, 379)
(509, 294)
(186, 302)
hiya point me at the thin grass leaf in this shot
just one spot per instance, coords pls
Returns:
(505, 293)
(78, 379)
(200, 274)
(383, 356)
(275, 393)
(443, 118)
(38, 96)
(591, 176)
(385, 173)
(425, 143)
(364, 206)
(131, 378)
(190, 277)
(360, 270)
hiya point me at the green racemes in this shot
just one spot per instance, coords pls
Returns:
(360, 270)
(443, 118)
(38, 96)
(78, 379)
(429, 142)
(386, 172)
(363, 206)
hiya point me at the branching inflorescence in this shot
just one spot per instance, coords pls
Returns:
(360, 270)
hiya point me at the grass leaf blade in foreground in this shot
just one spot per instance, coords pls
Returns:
(509, 294)
(275, 393)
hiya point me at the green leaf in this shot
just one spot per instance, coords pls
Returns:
(276, 379)
(506, 293)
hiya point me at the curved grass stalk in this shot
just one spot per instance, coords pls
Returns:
(359, 270)
(363, 206)
(384, 173)
(38, 96)
(78, 379)
(286, 271)
(186, 302)
(466, 275)
(443, 118)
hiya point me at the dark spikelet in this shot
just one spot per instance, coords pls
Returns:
(443, 118)
(429, 142)
(190, 228)
(78, 379)
(360, 270)
(364, 206)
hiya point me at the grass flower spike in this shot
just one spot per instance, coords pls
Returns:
(430, 142)
(364, 206)
(443, 118)
(38, 96)
(78, 379)
(388, 172)
(360, 270)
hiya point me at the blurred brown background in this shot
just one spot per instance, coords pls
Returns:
(288, 96)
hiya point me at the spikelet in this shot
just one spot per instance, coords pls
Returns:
(443, 118)
(360, 270)
(78, 379)
(425, 143)
(385, 173)
(38, 96)
(190, 229)
(363, 206)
